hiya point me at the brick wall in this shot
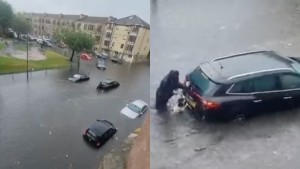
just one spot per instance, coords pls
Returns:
(139, 157)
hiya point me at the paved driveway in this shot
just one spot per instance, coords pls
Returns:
(42, 122)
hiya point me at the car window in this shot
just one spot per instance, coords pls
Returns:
(262, 84)
(266, 83)
(242, 87)
(290, 81)
(144, 108)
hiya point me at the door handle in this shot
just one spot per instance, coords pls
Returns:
(257, 101)
(288, 97)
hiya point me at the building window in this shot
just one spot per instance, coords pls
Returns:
(145, 48)
(122, 45)
(99, 28)
(97, 39)
(78, 26)
(113, 44)
(106, 43)
(125, 36)
(108, 35)
(91, 27)
(85, 26)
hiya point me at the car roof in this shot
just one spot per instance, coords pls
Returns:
(233, 68)
(140, 103)
(100, 127)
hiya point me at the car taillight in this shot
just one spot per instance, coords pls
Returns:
(98, 143)
(210, 105)
(86, 131)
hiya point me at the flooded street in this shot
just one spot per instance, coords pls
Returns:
(42, 122)
(185, 33)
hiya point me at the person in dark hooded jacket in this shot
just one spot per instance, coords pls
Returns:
(165, 90)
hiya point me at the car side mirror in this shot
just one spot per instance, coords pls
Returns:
(98, 120)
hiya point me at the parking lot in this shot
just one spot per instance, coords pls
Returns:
(42, 121)
(187, 33)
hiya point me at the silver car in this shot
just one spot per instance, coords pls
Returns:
(101, 64)
(135, 109)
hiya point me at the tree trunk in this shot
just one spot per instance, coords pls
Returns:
(71, 59)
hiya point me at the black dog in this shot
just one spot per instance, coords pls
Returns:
(166, 88)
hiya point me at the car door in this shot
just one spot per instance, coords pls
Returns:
(266, 93)
(290, 83)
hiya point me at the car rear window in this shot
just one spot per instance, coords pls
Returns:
(200, 80)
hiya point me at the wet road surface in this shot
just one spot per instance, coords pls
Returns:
(184, 33)
(42, 122)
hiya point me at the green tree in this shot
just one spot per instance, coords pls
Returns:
(20, 25)
(77, 41)
(6, 15)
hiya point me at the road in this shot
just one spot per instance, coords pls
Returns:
(42, 121)
(184, 33)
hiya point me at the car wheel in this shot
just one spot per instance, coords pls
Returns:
(239, 118)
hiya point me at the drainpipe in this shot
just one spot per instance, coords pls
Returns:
(142, 41)
(125, 45)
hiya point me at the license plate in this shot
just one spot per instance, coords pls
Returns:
(190, 101)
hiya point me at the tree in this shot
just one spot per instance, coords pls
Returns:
(6, 15)
(76, 41)
(19, 24)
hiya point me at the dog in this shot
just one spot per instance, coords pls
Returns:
(180, 106)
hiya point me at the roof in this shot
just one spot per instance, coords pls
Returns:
(99, 128)
(231, 67)
(86, 18)
(132, 20)
(139, 103)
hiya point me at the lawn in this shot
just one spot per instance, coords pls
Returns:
(13, 65)
(2, 46)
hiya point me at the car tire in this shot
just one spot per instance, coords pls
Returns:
(239, 118)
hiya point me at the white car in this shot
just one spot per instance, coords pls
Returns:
(135, 109)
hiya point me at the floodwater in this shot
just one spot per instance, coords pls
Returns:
(185, 33)
(42, 121)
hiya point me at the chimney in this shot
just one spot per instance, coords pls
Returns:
(82, 16)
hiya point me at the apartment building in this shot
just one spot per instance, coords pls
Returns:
(127, 38)
(45, 24)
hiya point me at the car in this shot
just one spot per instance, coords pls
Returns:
(40, 41)
(116, 60)
(102, 55)
(99, 133)
(108, 84)
(85, 56)
(101, 64)
(135, 109)
(78, 78)
(243, 85)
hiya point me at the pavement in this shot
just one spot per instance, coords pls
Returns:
(185, 33)
(42, 121)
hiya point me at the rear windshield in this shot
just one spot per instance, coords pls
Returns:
(200, 81)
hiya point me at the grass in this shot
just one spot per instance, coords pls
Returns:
(2, 46)
(21, 47)
(14, 65)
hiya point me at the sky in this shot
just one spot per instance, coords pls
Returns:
(115, 8)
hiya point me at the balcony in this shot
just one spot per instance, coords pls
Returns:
(130, 43)
(109, 30)
(127, 51)
(107, 38)
(133, 33)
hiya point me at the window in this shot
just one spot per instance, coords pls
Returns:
(85, 26)
(124, 37)
(122, 45)
(263, 84)
(97, 38)
(130, 56)
(290, 81)
(99, 28)
(113, 44)
(106, 43)
(91, 27)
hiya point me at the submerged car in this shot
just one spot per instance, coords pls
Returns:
(102, 55)
(108, 84)
(116, 60)
(78, 78)
(101, 64)
(99, 133)
(135, 109)
(239, 86)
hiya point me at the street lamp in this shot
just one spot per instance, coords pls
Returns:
(27, 19)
